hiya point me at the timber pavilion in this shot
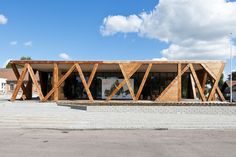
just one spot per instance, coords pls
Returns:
(158, 81)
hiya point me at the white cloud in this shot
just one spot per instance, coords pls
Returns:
(160, 59)
(196, 29)
(5, 63)
(3, 20)
(64, 56)
(28, 44)
(115, 24)
(13, 43)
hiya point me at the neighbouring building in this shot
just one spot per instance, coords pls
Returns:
(160, 81)
(8, 81)
(226, 89)
(3, 83)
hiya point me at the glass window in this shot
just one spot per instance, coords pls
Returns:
(11, 86)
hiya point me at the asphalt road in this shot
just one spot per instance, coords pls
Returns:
(124, 143)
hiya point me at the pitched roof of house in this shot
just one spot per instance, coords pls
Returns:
(233, 82)
(9, 74)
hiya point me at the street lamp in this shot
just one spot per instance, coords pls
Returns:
(231, 76)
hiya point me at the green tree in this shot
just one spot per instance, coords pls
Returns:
(22, 58)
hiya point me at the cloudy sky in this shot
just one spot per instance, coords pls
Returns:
(117, 30)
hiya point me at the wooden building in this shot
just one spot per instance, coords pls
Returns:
(160, 81)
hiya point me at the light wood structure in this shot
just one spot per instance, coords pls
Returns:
(201, 72)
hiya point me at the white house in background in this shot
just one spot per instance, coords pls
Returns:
(3, 83)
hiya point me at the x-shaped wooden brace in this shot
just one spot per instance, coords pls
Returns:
(173, 82)
(126, 81)
(86, 85)
(20, 84)
(216, 79)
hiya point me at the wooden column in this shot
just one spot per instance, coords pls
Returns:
(179, 82)
(55, 81)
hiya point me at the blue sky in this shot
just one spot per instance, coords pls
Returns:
(71, 27)
(44, 29)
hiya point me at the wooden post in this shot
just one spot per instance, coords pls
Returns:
(179, 82)
(55, 81)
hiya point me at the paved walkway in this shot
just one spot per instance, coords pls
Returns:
(31, 114)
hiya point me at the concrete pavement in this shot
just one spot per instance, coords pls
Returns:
(122, 143)
(32, 114)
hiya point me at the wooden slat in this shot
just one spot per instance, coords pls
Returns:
(55, 80)
(193, 87)
(173, 82)
(216, 83)
(92, 74)
(122, 83)
(84, 82)
(34, 79)
(143, 81)
(197, 83)
(59, 82)
(19, 83)
(179, 82)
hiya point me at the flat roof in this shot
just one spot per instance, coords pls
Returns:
(112, 66)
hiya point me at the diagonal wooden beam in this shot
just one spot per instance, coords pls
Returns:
(60, 82)
(92, 74)
(122, 83)
(34, 79)
(143, 81)
(220, 94)
(197, 82)
(17, 74)
(127, 82)
(216, 83)
(170, 85)
(84, 82)
(19, 83)
(208, 71)
(193, 86)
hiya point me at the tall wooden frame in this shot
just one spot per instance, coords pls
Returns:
(127, 69)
